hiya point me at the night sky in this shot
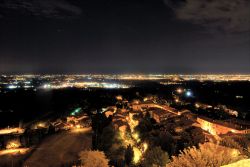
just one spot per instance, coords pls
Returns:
(124, 36)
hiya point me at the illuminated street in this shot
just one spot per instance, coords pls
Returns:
(60, 148)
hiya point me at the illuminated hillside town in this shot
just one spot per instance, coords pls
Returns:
(128, 117)
(124, 83)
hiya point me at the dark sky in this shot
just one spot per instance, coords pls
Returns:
(124, 36)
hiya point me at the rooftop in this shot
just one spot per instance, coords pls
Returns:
(230, 123)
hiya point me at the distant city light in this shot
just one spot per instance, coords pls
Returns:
(189, 93)
(179, 90)
(47, 86)
(12, 86)
(27, 86)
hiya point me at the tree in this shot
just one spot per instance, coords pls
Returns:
(99, 121)
(111, 144)
(155, 157)
(129, 154)
(167, 142)
(208, 154)
(109, 137)
(197, 136)
(93, 159)
(144, 127)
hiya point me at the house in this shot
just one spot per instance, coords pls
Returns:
(217, 127)
(160, 115)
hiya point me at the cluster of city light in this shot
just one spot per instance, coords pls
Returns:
(106, 81)
(12, 86)
(186, 92)
(216, 77)
(142, 77)
(105, 85)
(46, 86)
(17, 86)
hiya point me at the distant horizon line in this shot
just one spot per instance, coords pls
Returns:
(184, 74)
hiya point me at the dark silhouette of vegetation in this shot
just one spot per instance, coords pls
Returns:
(111, 144)
(129, 154)
(155, 156)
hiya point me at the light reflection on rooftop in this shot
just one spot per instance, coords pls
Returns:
(11, 130)
(14, 151)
